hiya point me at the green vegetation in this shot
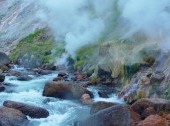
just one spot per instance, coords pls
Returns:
(84, 54)
(40, 45)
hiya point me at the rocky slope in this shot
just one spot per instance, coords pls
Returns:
(17, 19)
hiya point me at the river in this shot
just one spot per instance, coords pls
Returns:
(62, 112)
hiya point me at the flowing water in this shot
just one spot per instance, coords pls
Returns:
(62, 112)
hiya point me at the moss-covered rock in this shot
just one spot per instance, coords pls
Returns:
(37, 49)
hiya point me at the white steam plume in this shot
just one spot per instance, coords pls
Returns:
(152, 17)
(77, 22)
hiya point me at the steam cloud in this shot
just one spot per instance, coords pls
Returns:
(77, 22)
(150, 17)
(80, 22)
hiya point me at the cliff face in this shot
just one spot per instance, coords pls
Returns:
(17, 19)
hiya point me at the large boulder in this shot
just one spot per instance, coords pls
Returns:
(4, 59)
(64, 90)
(12, 117)
(154, 120)
(30, 110)
(98, 106)
(112, 116)
(146, 106)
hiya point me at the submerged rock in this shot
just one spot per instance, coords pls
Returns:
(113, 116)
(12, 117)
(64, 90)
(30, 110)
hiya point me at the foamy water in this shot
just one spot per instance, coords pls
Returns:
(62, 112)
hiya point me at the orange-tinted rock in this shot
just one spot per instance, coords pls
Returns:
(65, 90)
(148, 111)
(159, 105)
(86, 99)
(154, 120)
(135, 118)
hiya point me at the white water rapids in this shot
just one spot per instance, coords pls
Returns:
(62, 112)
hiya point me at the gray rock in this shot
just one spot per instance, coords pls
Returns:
(98, 106)
(113, 116)
(30, 110)
(4, 59)
(12, 117)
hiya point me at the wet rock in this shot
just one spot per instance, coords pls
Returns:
(14, 73)
(148, 111)
(3, 67)
(49, 67)
(112, 116)
(4, 59)
(30, 110)
(149, 106)
(79, 76)
(44, 72)
(98, 106)
(143, 85)
(24, 78)
(65, 90)
(2, 88)
(135, 118)
(103, 95)
(62, 74)
(57, 79)
(41, 72)
(86, 99)
(154, 120)
(2, 77)
(12, 117)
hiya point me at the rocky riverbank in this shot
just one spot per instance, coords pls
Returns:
(76, 86)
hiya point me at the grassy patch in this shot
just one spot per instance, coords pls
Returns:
(39, 44)
(84, 54)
